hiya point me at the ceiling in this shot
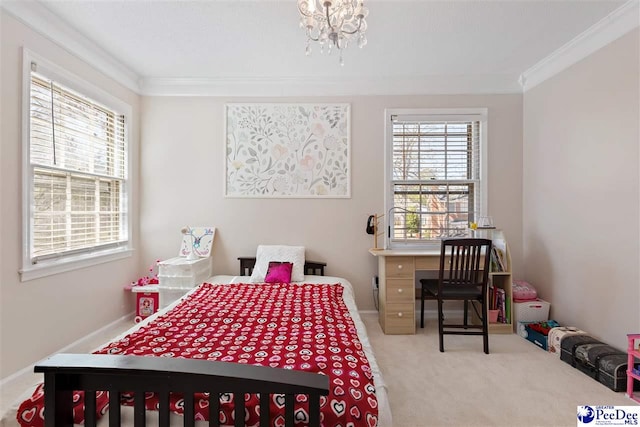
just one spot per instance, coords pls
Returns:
(478, 43)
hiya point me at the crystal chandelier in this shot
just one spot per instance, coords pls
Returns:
(333, 23)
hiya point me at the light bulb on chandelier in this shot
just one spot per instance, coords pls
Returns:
(334, 23)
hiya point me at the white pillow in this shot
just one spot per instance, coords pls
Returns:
(268, 253)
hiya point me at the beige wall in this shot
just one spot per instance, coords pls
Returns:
(178, 180)
(581, 192)
(182, 161)
(41, 316)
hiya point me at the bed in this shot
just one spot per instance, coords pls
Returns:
(318, 367)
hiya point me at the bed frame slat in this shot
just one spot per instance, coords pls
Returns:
(90, 408)
(189, 414)
(139, 419)
(163, 408)
(289, 402)
(238, 406)
(114, 407)
(64, 373)
(264, 408)
(314, 411)
(214, 410)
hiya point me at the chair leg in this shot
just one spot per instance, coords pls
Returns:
(422, 309)
(440, 325)
(485, 330)
(466, 313)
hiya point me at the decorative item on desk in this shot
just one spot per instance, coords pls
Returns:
(485, 222)
(411, 219)
(196, 242)
(372, 228)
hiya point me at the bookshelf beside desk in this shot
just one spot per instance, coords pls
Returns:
(397, 283)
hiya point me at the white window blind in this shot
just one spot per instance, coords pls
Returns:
(435, 179)
(78, 161)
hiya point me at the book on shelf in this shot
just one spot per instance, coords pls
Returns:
(498, 301)
(499, 248)
(507, 311)
(497, 261)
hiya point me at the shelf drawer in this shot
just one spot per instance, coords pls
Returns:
(399, 266)
(400, 290)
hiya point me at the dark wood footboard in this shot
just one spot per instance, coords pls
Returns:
(64, 373)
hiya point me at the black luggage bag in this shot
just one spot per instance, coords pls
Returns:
(600, 361)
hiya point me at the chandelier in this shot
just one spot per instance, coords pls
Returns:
(333, 23)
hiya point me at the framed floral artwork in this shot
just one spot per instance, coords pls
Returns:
(288, 150)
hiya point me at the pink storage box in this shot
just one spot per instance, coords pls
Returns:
(523, 291)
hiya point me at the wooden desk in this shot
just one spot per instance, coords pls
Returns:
(397, 284)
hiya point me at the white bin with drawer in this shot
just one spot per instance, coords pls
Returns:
(178, 275)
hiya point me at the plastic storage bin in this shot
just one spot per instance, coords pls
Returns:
(536, 336)
(531, 311)
(178, 275)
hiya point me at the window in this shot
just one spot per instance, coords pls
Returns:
(76, 174)
(434, 174)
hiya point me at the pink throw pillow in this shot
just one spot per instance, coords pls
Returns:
(279, 272)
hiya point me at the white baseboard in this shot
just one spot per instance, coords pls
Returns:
(29, 369)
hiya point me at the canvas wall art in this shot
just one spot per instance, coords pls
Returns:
(288, 150)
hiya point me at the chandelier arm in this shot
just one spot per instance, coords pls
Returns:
(310, 37)
(354, 31)
(326, 9)
(304, 13)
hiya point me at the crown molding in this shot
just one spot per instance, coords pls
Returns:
(330, 86)
(41, 20)
(613, 26)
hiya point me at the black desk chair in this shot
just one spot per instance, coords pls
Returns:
(464, 276)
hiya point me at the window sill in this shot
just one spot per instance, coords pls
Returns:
(55, 266)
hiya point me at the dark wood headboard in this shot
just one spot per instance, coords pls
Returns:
(310, 267)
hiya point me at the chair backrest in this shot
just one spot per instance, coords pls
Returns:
(465, 262)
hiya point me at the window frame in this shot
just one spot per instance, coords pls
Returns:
(89, 256)
(431, 114)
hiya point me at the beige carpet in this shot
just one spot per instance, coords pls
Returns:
(518, 384)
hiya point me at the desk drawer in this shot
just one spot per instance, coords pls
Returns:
(399, 266)
(428, 263)
(400, 319)
(400, 290)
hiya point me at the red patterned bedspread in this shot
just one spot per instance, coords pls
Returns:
(291, 326)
